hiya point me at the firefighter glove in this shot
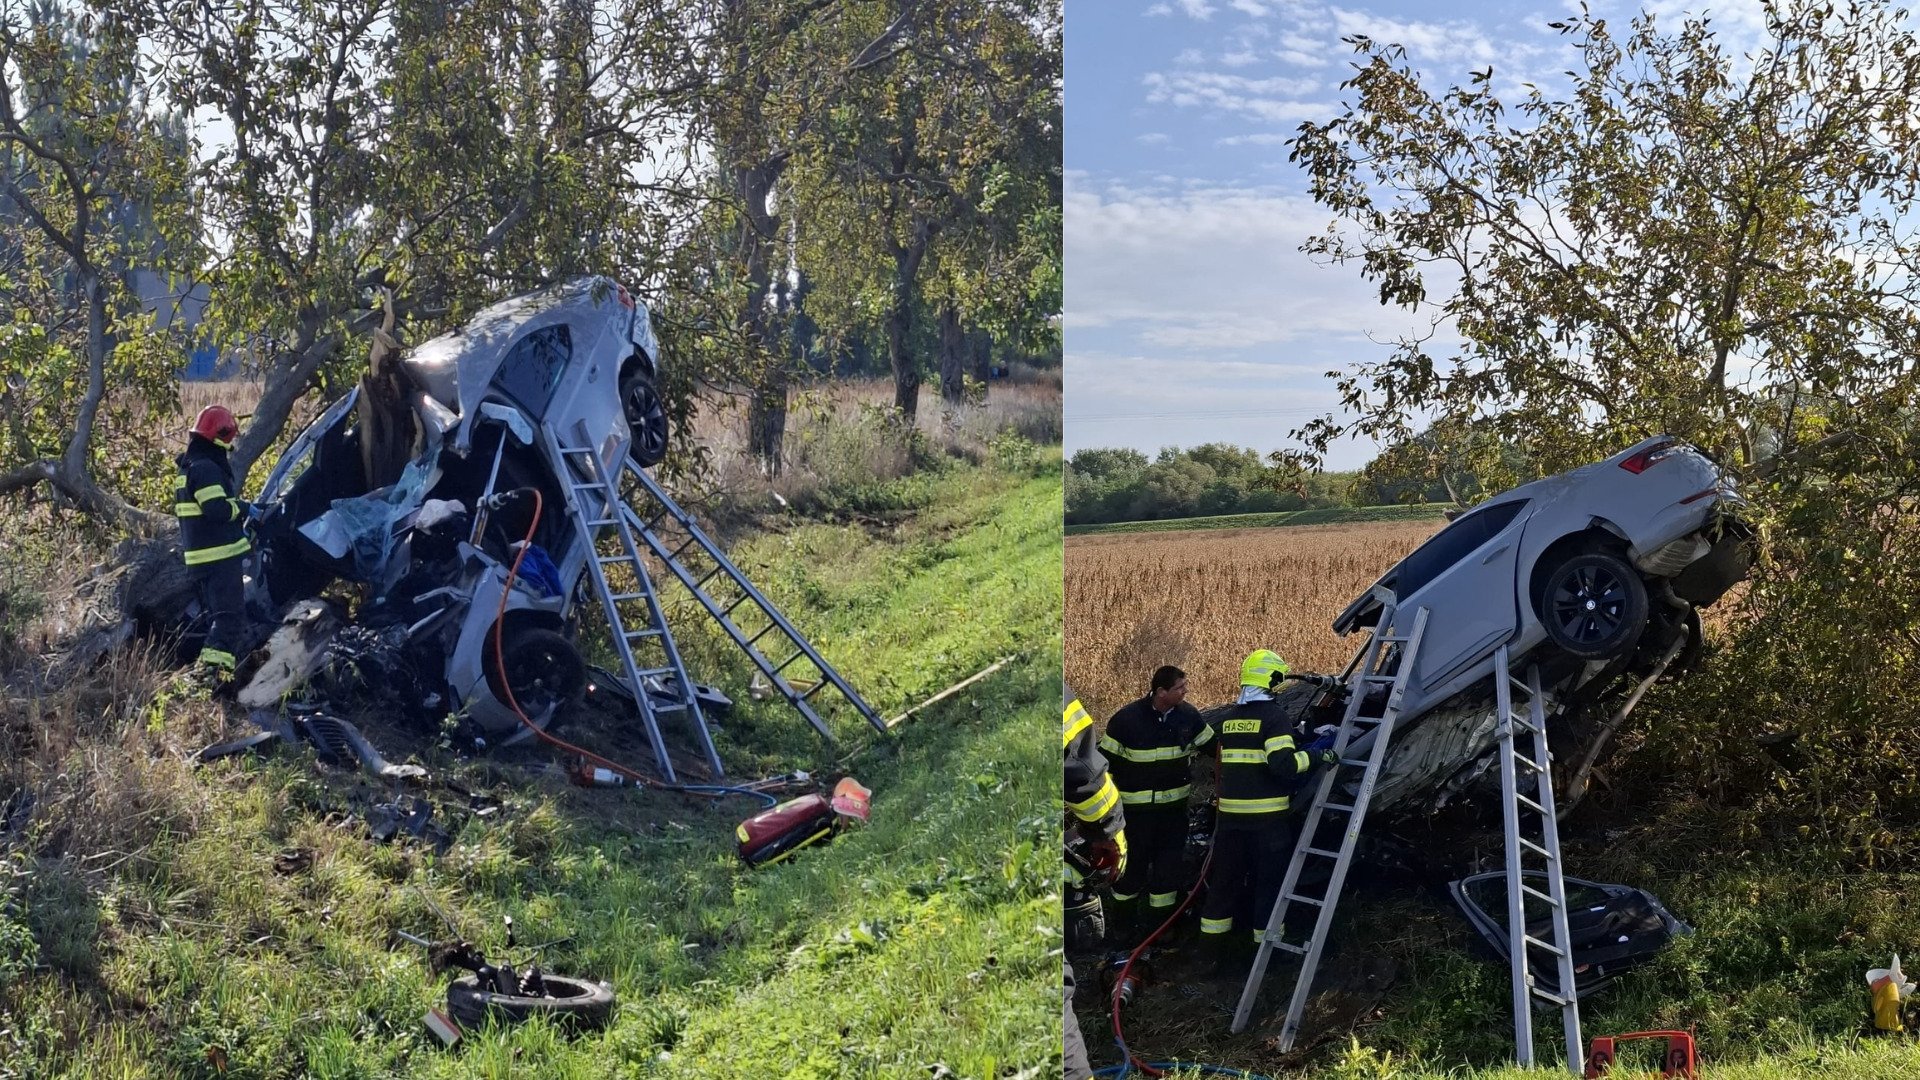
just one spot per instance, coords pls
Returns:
(1109, 858)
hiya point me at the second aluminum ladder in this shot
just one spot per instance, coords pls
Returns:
(1330, 800)
(677, 540)
(1532, 831)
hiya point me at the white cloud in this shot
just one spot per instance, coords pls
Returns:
(1240, 58)
(1264, 138)
(1251, 7)
(1456, 42)
(1200, 269)
(1189, 57)
(1196, 9)
(1303, 51)
(1158, 9)
(1277, 99)
(1153, 138)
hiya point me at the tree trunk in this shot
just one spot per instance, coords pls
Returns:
(953, 345)
(980, 358)
(906, 369)
(767, 417)
(286, 384)
(767, 412)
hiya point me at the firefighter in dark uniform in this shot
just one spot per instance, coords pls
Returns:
(1263, 766)
(1094, 803)
(1150, 744)
(213, 533)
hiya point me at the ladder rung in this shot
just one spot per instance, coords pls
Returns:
(1550, 997)
(598, 522)
(1323, 853)
(1538, 944)
(1358, 763)
(1287, 946)
(1296, 898)
(643, 673)
(1340, 807)
(605, 560)
(708, 576)
(1522, 722)
(622, 596)
(798, 653)
(591, 485)
(1379, 678)
(631, 634)
(1529, 803)
(1526, 762)
(817, 687)
(1389, 639)
(1538, 895)
(1536, 848)
(762, 633)
(743, 598)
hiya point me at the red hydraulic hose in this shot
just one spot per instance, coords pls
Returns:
(500, 664)
(1118, 1035)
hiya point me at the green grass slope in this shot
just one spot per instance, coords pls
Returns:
(923, 942)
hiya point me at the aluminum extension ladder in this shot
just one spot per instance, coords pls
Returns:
(1364, 674)
(593, 501)
(1533, 813)
(652, 514)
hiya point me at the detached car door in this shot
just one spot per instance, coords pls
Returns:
(1464, 577)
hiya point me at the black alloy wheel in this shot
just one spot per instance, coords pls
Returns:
(646, 419)
(1595, 606)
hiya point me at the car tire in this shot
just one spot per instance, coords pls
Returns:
(646, 419)
(544, 669)
(576, 1003)
(1594, 606)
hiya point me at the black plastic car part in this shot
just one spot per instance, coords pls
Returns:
(1614, 928)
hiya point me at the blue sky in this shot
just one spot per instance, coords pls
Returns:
(1191, 315)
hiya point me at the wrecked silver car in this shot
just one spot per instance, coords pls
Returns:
(1596, 575)
(402, 485)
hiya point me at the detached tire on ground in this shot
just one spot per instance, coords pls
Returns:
(576, 1004)
(1594, 606)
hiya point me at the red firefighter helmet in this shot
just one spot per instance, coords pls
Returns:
(216, 422)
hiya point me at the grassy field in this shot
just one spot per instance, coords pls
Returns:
(1336, 515)
(1771, 980)
(145, 930)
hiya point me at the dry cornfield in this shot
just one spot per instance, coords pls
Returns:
(1204, 599)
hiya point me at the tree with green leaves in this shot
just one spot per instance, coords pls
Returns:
(1683, 239)
(1660, 248)
(912, 165)
(92, 184)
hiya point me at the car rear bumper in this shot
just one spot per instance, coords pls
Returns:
(1726, 563)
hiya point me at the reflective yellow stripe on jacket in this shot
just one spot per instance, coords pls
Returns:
(1073, 720)
(1097, 805)
(1254, 806)
(1133, 798)
(1113, 748)
(214, 554)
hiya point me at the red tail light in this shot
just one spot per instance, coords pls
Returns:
(1650, 457)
